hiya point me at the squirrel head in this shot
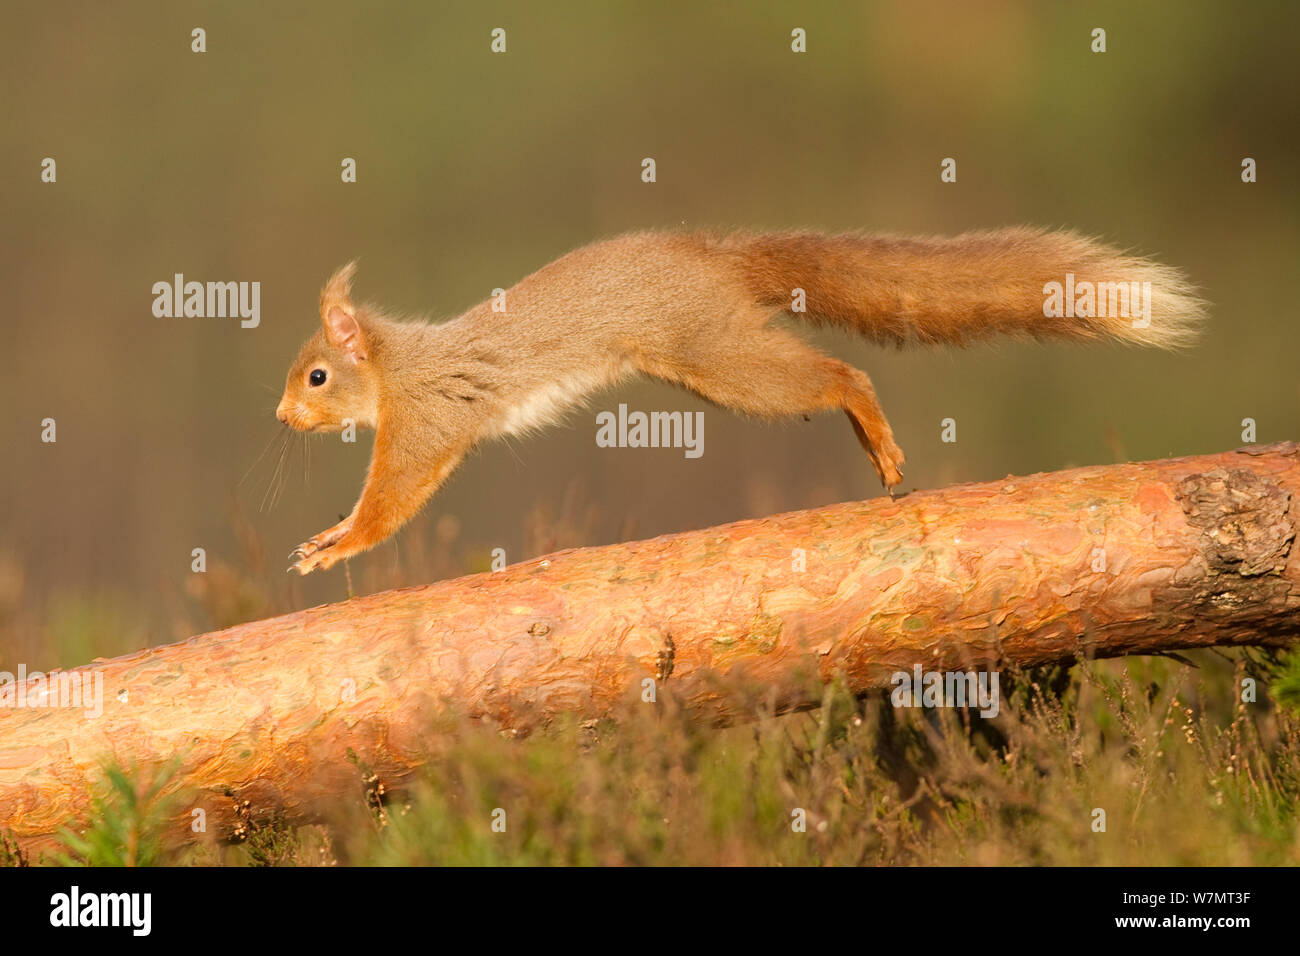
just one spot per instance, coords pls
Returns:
(333, 378)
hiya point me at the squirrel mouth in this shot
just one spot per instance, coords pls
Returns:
(317, 427)
(296, 419)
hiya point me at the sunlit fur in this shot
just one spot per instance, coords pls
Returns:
(694, 309)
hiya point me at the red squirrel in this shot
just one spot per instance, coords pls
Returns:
(698, 310)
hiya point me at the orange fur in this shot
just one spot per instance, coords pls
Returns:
(690, 308)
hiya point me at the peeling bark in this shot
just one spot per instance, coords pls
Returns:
(1104, 561)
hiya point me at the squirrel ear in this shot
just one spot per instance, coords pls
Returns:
(338, 315)
(343, 331)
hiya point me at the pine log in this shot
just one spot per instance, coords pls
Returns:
(275, 716)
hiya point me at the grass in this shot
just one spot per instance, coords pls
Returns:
(1185, 772)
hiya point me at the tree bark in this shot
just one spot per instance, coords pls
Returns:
(1104, 561)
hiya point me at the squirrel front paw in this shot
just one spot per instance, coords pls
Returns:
(312, 553)
(317, 561)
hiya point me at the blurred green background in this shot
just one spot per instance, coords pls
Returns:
(475, 169)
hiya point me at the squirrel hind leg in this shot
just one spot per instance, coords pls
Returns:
(772, 373)
(857, 397)
(886, 457)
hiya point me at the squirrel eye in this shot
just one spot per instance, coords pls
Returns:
(317, 376)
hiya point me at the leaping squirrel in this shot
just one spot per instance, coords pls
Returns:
(695, 309)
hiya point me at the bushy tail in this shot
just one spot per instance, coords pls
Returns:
(1017, 281)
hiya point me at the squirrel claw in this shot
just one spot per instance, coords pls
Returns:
(318, 553)
(304, 550)
(316, 561)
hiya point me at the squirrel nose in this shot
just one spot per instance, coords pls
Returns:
(282, 414)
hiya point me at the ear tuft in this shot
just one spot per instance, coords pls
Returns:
(338, 292)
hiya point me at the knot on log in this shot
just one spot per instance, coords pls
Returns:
(1246, 534)
(1244, 518)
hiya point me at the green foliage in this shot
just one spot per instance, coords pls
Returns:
(128, 819)
(10, 853)
(1285, 685)
(272, 844)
